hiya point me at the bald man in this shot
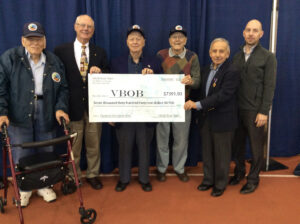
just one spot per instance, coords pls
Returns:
(255, 95)
(80, 58)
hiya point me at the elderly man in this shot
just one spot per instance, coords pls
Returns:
(176, 60)
(218, 117)
(139, 134)
(33, 93)
(255, 95)
(80, 58)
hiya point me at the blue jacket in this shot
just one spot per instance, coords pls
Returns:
(17, 88)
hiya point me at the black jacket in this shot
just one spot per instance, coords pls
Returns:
(258, 79)
(220, 105)
(78, 90)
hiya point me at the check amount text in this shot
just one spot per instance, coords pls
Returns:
(172, 93)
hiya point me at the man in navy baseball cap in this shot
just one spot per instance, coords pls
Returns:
(33, 29)
(178, 28)
(33, 79)
(136, 28)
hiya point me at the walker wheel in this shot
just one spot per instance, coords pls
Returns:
(68, 187)
(88, 216)
(2, 204)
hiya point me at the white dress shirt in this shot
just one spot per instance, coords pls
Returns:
(37, 71)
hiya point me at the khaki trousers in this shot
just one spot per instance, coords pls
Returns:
(91, 132)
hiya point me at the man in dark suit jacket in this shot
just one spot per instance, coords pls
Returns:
(218, 117)
(71, 55)
(129, 134)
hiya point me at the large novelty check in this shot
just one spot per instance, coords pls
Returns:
(136, 98)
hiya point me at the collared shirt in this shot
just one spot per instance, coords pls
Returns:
(211, 75)
(135, 68)
(181, 55)
(37, 71)
(78, 50)
(248, 55)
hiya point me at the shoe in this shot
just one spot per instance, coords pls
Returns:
(217, 192)
(146, 187)
(183, 176)
(24, 197)
(95, 183)
(161, 176)
(121, 186)
(47, 193)
(204, 187)
(236, 179)
(248, 188)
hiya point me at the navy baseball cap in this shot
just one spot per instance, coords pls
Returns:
(178, 28)
(33, 29)
(135, 28)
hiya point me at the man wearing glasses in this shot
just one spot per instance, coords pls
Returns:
(33, 96)
(80, 58)
(176, 60)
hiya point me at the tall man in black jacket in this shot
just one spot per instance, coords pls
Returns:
(258, 76)
(218, 118)
(80, 58)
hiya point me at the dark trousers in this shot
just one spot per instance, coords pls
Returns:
(1, 183)
(129, 134)
(247, 127)
(216, 153)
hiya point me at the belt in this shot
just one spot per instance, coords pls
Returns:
(38, 97)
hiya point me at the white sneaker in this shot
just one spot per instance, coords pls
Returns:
(47, 193)
(25, 196)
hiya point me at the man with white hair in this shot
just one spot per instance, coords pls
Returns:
(176, 60)
(218, 116)
(80, 58)
(33, 96)
(131, 134)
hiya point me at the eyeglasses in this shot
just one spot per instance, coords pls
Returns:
(82, 25)
(134, 38)
(180, 37)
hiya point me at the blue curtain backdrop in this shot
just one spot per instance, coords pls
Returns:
(204, 21)
(285, 138)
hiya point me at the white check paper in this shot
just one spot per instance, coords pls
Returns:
(136, 98)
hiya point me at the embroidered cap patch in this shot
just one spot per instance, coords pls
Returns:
(137, 27)
(32, 27)
(178, 27)
(55, 77)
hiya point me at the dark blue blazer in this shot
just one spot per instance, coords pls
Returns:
(120, 65)
(220, 105)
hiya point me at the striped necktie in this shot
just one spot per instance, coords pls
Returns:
(83, 63)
